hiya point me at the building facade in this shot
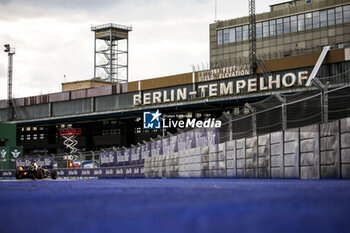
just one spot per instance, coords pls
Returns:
(290, 28)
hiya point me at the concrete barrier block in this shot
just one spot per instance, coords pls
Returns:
(205, 173)
(222, 165)
(230, 164)
(345, 125)
(240, 144)
(328, 158)
(345, 155)
(213, 165)
(276, 172)
(240, 164)
(291, 154)
(213, 173)
(195, 167)
(276, 149)
(221, 173)
(213, 149)
(221, 156)
(291, 135)
(240, 173)
(221, 147)
(291, 147)
(308, 132)
(240, 153)
(276, 137)
(289, 173)
(264, 139)
(231, 154)
(196, 159)
(231, 145)
(251, 142)
(307, 159)
(307, 145)
(249, 164)
(309, 173)
(345, 140)
(329, 129)
(230, 173)
(276, 161)
(345, 171)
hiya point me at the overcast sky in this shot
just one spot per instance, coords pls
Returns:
(53, 38)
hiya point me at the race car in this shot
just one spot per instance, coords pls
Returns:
(35, 172)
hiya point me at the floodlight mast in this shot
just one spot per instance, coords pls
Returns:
(10, 51)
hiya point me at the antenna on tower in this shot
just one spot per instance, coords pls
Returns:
(10, 51)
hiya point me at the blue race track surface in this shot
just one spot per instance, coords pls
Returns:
(174, 205)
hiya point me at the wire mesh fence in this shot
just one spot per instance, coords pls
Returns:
(275, 113)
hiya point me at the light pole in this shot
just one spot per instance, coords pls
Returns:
(10, 51)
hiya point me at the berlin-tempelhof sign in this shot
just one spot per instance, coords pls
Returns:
(229, 81)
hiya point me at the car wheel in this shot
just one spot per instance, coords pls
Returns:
(54, 174)
(18, 175)
(40, 174)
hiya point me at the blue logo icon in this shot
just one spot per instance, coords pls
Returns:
(151, 120)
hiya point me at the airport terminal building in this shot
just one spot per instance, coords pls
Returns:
(289, 41)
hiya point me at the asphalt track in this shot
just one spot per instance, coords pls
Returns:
(174, 205)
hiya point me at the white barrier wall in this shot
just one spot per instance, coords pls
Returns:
(311, 152)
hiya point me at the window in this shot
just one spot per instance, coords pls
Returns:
(301, 23)
(245, 32)
(238, 33)
(286, 25)
(35, 137)
(28, 137)
(258, 30)
(331, 17)
(338, 15)
(293, 24)
(232, 35)
(226, 36)
(308, 21)
(316, 19)
(219, 37)
(266, 29)
(273, 27)
(114, 131)
(22, 137)
(235, 111)
(279, 26)
(346, 13)
(323, 18)
(42, 136)
(137, 130)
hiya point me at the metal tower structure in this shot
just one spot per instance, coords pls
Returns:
(10, 51)
(252, 38)
(111, 56)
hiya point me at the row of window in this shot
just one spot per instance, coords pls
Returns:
(29, 137)
(289, 24)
